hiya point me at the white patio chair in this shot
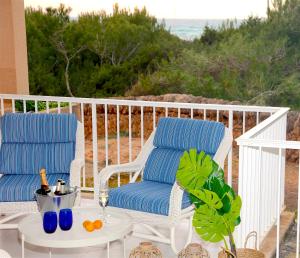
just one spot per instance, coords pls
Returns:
(4, 254)
(158, 202)
(28, 139)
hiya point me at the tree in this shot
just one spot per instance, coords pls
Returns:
(66, 40)
(68, 49)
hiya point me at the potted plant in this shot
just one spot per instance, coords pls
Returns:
(217, 207)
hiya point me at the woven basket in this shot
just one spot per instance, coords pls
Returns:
(145, 250)
(194, 250)
(244, 252)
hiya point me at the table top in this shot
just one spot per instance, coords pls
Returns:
(118, 226)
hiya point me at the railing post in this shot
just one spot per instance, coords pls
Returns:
(118, 143)
(153, 118)
(13, 106)
(106, 134)
(24, 106)
(95, 151)
(47, 107)
(2, 106)
(278, 203)
(239, 233)
(36, 110)
(130, 134)
(298, 209)
(82, 121)
(230, 125)
(142, 126)
(249, 186)
(58, 107)
(260, 194)
(283, 156)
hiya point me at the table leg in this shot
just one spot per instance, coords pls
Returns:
(23, 248)
(107, 249)
(50, 253)
(124, 246)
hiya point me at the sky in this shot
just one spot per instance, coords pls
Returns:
(180, 9)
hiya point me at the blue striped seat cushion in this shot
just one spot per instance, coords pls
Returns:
(34, 141)
(20, 188)
(185, 134)
(146, 196)
(162, 165)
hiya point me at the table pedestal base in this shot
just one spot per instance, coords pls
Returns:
(50, 252)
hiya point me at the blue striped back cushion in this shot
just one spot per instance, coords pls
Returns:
(34, 141)
(185, 134)
(38, 128)
(23, 158)
(162, 165)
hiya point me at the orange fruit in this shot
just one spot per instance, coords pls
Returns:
(89, 226)
(98, 224)
(85, 223)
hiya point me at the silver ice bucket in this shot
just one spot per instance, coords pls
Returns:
(52, 202)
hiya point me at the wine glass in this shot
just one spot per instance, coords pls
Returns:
(50, 222)
(65, 219)
(103, 200)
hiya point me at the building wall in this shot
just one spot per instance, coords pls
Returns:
(13, 48)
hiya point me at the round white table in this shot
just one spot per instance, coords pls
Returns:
(118, 226)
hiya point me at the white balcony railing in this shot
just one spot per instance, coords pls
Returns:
(261, 153)
(261, 176)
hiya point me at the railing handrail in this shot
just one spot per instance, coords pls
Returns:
(278, 144)
(143, 103)
(261, 126)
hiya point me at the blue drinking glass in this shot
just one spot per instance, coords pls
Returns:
(65, 219)
(50, 221)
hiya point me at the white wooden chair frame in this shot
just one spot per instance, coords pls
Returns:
(151, 221)
(14, 210)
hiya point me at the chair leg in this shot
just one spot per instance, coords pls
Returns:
(3, 221)
(188, 240)
(190, 234)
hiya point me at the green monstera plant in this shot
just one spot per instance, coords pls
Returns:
(217, 207)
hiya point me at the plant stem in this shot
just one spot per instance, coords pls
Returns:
(232, 243)
(225, 243)
(231, 239)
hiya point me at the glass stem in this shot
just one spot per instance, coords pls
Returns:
(104, 214)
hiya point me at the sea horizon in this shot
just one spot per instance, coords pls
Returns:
(189, 29)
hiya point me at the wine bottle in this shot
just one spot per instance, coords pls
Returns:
(63, 189)
(44, 190)
(58, 187)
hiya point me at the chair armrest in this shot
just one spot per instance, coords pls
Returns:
(136, 166)
(109, 171)
(224, 148)
(175, 210)
(175, 201)
(75, 176)
(75, 169)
